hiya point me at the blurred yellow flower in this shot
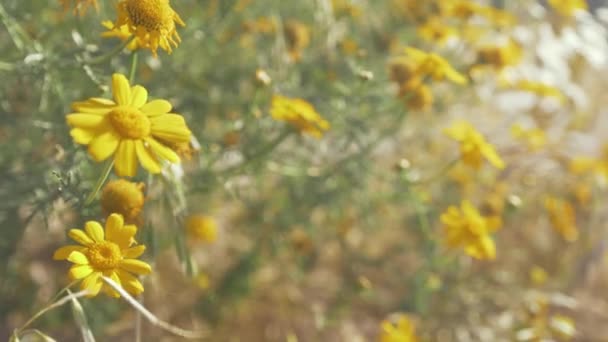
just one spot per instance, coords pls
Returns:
(434, 66)
(297, 38)
(535, 138)
(202, 227)
(538, 275)
(300, 114)
(80, 6)
(562, 217)
(465, 10)
(128, 128)
(122, 33)
(567, 8)
(402, 331)
(473, 146)
(417, 97)
(123, 197)
(404, 72)
(465, 227)
(538, 88)
(597, 166)
(152, 22)
(499, 56)
(435, 30)
(110, 253)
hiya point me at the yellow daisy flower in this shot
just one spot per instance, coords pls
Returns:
(202, 228)
(80, 6)
(402, 331)
(122, 33)
(110, 253)
(300, 114)
(465, 227)
(473, 146)
(152, 22)
(130, 128)
(435, 66)
(123, 197)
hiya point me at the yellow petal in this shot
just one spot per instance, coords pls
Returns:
(170, 127)
(94, 230)
(84, 120)
(116, 232)
(78, 258)
(82, 136)
(134, 252)
(102, 146)
(94, 105)
(125, 160)
(80, 271)
(92, 283)
(156, 107)
(135, 266)
(139, 96)
(492, 156)
(63, 252)
(109, 290)
(130, 283)
(162, 151)
(121, 89)
(80, 237)
(147, 160)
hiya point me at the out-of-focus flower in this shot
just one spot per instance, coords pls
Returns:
(128, 128)
(466, 228)
(345, 8)
(152, 22)
(499, 56)
(121, 33)
(465, 10)
(535, 138)
(434, 66)
(123, 197)
(80, 6)
(404, 72)
(538, 88)
(597, 166)
(202, 228)
(494, 201)
(110, 253)
(568, 8)
(297, 37)
(300, 114)
(401, 331)
(562, 217)
(435, 30)
(473, 146)
(262, 78)
(301, 240)
(538, 275)
(418, 97)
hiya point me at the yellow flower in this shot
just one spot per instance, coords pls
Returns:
(128, 128)
(567, 8)
(473, 146)
(417, 98)
(436, 31)
(297, 37)
(465, 10)
(123, 197)
(300, 114)
(110, 253)
(152, 22)
(403, 331)
(435, 66)
(465, 227)
(534, 137)
(80, 6)
(538, 88)
(499, 56)
(202, 227)
(562, 217)
(597, 166)
(122, 33)
(404, 72)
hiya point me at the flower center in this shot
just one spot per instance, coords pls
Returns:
(104, 255)
(130, 122)
(154, 15)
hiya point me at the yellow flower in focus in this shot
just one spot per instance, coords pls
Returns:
(80, 6)
(110, 253)
(152, 22)
(202, 228)
(121, 33)
(297, 38)
(434, 30)
(435, 66)
(535, 138)
(123, 197)
(567, 8)
(130, 128)
(465, 227)
(562, 217)
(300, 114)
(473, 146)
(402, 331)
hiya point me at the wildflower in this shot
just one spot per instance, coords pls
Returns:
(152, 22)
(535, 138)
(435, 66)
(465, 227)
(538, 275)
(597, 166)
(297, 37)
(202, 228)
(404, 72)
(568, 8)
(538, 88)
(110, 253)
(562, 217)
(122, 33)
(128, 128)
(499, 56)
(300, 114)
(473, 146)
(123, 197)
(417, 98)
(435, 30)
(402, 331)
(80, 6)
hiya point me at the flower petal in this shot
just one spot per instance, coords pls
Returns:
(125, 160)
(146, 159)
(170, 127)
(121, 89)
(83, 136)
(135, 266)
(130, 283)
(94, 105)
(162, 151)
(92, 283)
(139, 96)
(108, 289)
(63, 252)
(80, 236)
(134, 252)
(95, 231)
(156, 107)
(114, 225)
(102, 146)
(80, 271)
(78, 258)
(84, 120)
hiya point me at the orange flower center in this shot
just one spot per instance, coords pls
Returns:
(154, 15)
(104, 255)
(130, 122)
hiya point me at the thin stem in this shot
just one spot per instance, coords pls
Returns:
(111, 53)
(133, 69)
(102, 179)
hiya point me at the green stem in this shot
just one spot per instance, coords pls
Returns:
(111, 53)
(133, 67)
(102, 179)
